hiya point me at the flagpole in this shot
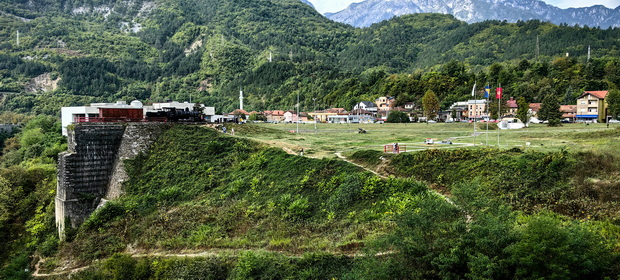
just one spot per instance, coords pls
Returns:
(499, 111)
(486, 92)
(473, 94)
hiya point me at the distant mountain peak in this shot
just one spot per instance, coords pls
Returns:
(365, 13)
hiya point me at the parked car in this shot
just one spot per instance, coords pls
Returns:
(614, 121)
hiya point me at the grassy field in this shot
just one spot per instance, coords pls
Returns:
(331, 138)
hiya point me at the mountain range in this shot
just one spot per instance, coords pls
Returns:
(79, 52)
(365, 13)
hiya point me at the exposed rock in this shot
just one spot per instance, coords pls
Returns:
(42, 83)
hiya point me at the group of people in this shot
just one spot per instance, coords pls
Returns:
(232, 130)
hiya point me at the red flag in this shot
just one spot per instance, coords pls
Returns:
(498, 93)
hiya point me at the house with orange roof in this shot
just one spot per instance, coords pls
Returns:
(534, 108)
(569, 112)
(591, 106)
(512, 108)
(274, 116)
(385, 103)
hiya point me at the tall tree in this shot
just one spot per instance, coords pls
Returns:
(430, 104)
(550, 110)
(613, 103)
(494, 108)
(523, 111)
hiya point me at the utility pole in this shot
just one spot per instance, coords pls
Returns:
(298, 111)
(537, 48)
(314, 99)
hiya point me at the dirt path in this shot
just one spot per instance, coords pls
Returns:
(340, 156)
(447, 199)
(189, 254)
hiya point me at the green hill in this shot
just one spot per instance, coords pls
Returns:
(205, 205)
(157, 50)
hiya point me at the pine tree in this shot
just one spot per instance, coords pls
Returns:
(550, 110)
(523, 111)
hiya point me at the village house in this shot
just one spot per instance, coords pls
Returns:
(274, 116)
(290, 116)
(366, 106)
(410, 106)
(512, 108)
(458, 111)
(569, 112)
(533, 111)
(385, 103)
(591, 106)
(322, 115)
(355, 116)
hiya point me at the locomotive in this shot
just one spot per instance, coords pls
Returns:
(171, 114)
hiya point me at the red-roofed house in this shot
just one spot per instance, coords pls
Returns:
(385, 103)
(274, 116)
(534, 108)
(512, 108)
(569, 111)
(591, 106)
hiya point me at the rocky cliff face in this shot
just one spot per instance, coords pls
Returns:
(371, 11)
(42, 83)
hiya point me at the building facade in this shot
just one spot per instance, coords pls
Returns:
(591, 106)
(477, 109)
(385, 103)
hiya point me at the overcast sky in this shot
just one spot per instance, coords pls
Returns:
(324, 6)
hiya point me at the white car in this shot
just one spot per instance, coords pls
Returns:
(614, 121)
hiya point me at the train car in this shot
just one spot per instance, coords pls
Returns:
(121, 114)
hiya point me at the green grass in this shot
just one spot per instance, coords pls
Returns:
(330, 138)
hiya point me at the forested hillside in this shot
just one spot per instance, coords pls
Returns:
(274, 49)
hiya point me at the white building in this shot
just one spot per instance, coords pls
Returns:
(366, 105)
(349, 118)
(69, 115)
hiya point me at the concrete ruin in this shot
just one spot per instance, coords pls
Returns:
(92, 170)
